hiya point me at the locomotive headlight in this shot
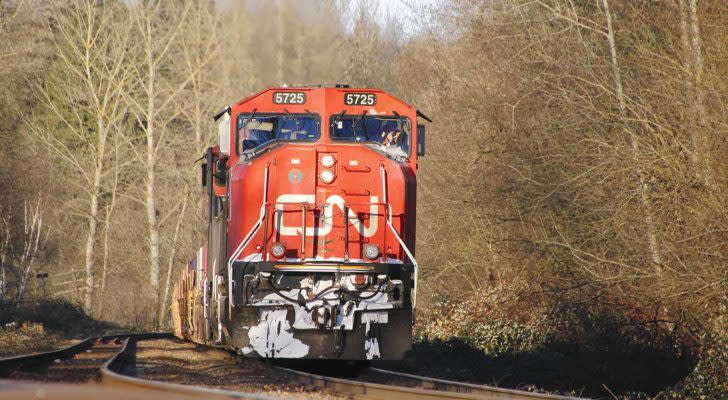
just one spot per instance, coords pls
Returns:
(371, 251)
(278, 250)
(358, 279)
(326, 176)
(327, 161)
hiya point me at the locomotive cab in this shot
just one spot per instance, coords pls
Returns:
(311, 230)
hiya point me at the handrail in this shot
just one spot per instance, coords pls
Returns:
(399, 239)
(246, 240)
(305, 208)
(346, 232)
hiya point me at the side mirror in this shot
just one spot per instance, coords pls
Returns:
(420, 140)
(204, 174)
(223, 131)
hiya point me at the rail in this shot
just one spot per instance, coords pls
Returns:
(112, 374)
(428, 388)
(117, 373)
(484, 391)
(12, 363)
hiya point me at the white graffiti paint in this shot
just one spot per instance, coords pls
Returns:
(346, 312)
(371, 344)
(273, 337)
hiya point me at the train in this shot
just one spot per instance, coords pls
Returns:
(311, 222)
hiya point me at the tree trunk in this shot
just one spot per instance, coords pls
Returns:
(643, 187)
(3, 257)
(32, 228)
(89, 251)
(168, 279)
(151, 201)
(689, 86)
(695, 66)
(93, 216)
(151, 205)
(107, 226)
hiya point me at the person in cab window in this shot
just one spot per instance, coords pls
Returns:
(390, 138)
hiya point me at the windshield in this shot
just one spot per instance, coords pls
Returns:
(257, 130)
(392, 133)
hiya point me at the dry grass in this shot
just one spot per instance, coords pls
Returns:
(26, 337)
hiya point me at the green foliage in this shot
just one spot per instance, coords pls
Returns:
(500, 336)
(493, 335)
(709, 379)
(21, 338)
(56, 317)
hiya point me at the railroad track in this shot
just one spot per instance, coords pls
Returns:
(78, 362)
(403, 386)
(108, 358)
(113, 358)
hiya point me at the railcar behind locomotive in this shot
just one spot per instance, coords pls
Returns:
(310, 247)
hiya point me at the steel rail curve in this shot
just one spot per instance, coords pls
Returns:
(115, 374)
(430, 388)
(112, 375)
(11, 363)
(485, 391)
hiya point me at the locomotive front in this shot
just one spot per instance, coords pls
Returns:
(312, 225)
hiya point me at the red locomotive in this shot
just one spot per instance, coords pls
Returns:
(311, 233)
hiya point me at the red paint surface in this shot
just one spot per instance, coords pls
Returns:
(355, 185)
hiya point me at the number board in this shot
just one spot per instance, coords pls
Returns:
(289, 98)
(360, 99)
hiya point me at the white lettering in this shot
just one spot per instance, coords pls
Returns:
(326, 221)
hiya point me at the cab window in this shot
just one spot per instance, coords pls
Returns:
(254, 131)
(391, 133)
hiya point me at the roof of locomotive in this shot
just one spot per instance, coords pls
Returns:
(342, 88)
(312, 88)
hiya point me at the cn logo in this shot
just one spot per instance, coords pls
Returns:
(326, 222)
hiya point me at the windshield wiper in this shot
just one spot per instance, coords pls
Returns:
(252, 114)
(353, 128)
(250, 153)
(290, 115)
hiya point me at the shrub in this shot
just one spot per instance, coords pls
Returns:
(21, 338)
(708, 380)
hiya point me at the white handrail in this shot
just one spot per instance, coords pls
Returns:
(399, 239)
(244, 243)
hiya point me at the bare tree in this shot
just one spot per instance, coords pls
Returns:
(158, 30)
(162, 309)
(644, 188)
(694, 66)
(108, 213)
(91, 46)
(4, 245)
(30, 242)
(200, 44)
(281, 42)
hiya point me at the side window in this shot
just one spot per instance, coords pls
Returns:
(254, 132)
